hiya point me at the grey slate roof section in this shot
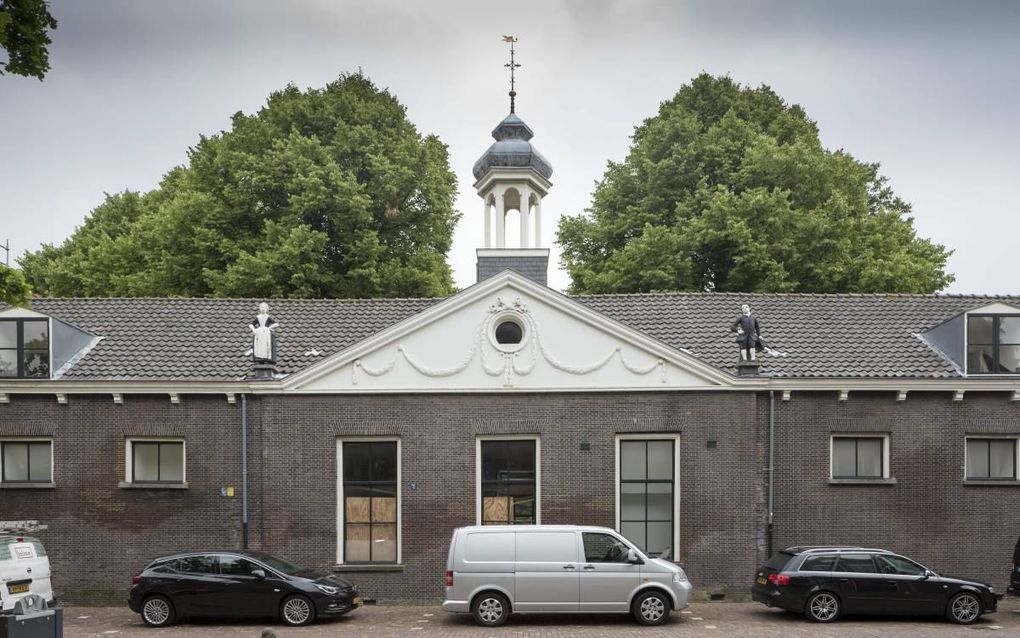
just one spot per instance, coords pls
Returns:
(534, 267)
(854, 336)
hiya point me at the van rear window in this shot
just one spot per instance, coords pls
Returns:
(778, 561)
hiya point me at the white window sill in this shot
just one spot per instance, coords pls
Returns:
(991, 483)
(28, 486)
(368, 567)
(862, 481)
(152, 486)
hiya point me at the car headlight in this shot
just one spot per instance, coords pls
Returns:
(327, 589)
(679, 576)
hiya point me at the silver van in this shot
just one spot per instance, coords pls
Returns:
(495, 570)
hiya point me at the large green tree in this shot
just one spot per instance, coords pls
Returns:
(23, 26)
(323, 193)
(728, 188)
(14, 289)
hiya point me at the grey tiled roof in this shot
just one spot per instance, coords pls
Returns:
(820, 335)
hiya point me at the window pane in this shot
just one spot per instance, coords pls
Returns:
(660, 501)
(357, 544)
(632, 501)
(36, 363)
(521, 458)
(357, 461)
(603, 548)
(494, 462)
(632, 460)
(357, 505)
(234, 566)
(980, 358)
(145, 463)
(844, 452)
(979, 330)
(818, 564)
(522, 510)
(659, 537)
(36, 335)
(635, 533)
(8, 334)
(384, 505)
(495, 510)
(1009, 330)
(977, 458)
(384, 461)
(384, 543)
(8, 363)
(15, 461)
(859, 563)
(1009, 359)
(899, 566)
(869, 458)
(40, 463)
(660, 460)
(171, 462)
(198, 564)
(1001, 464)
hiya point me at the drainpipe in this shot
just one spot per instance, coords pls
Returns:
(244, 471)
(772, 465)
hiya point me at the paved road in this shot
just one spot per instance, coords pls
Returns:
(726, 620)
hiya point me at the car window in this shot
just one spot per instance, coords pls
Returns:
(237, 566)
(778, 561)
(890, 564)
(818, 563)
(603, 548)
(856, 563)
(204, 564)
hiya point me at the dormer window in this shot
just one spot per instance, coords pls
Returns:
(993, 344)
(24, 349)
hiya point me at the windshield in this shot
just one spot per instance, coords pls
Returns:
(277, 563)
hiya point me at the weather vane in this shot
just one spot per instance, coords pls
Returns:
(513, 66)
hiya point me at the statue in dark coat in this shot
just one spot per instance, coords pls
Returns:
(748, 334)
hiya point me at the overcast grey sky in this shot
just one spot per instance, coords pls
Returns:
(929, 89)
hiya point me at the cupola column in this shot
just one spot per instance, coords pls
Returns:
(501, 218)
(488, 223)
(525, 209)
(538, 222)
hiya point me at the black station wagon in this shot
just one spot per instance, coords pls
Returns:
(825, 582)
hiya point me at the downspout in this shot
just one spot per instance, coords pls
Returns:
(244, 471)
(772, 466)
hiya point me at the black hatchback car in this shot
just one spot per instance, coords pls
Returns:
(237, 584)
(825, 582)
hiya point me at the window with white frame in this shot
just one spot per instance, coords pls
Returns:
(647, 492)
(861, 457)
(991, 459)
(993, 344)
(508, 481)
(155, 461)
(370, 501)
(26, 461)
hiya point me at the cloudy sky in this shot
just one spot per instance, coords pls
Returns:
(928, 89)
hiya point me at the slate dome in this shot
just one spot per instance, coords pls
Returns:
(512, 148)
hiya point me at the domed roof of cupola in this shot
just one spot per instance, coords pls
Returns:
(512, 148)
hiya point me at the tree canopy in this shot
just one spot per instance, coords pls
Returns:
(322, 193)
(14, 289)
(728, 188)
(23, 26)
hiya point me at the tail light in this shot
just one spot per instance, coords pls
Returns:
(135, 580)
(449, 578)
(779, 579)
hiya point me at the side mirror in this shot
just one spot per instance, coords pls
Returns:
(258, 573)
(633, 559)
(928, 574)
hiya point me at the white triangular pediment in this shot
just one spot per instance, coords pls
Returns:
(21, 313)
(451, 347)
(997, 308)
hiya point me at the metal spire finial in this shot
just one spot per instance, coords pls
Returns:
(512, 66)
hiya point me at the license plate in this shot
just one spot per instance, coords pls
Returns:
(762, 581)
(357, 600)
(18, 589)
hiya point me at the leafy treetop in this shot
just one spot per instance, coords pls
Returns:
(23, 25)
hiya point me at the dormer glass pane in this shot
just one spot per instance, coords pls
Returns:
(980, 358)
(8, 334)
(1009, 330)
(36, 335)
(979, 330)
(1009, 359)
(8, 363)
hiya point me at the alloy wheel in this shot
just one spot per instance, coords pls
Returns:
(296, 611)
(156, 611)
(652, 609)
(965, 608)
(823, 607)
(490, 610)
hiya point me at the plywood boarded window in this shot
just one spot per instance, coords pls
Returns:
(370, 501)
(509, 482)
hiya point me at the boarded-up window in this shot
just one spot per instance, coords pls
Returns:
(509, 486)
(370, 501)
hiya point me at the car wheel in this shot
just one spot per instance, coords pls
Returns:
(964, 608)
(158, 611)
(490, 609)
(823, 606)
(296, 610)
(651, 608)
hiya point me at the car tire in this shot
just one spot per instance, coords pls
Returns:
(297, 610)
(157, 611)
(964, 608)
(651, 608)
(490, 609)
(822, 606)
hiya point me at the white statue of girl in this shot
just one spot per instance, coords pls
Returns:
(263, 340)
